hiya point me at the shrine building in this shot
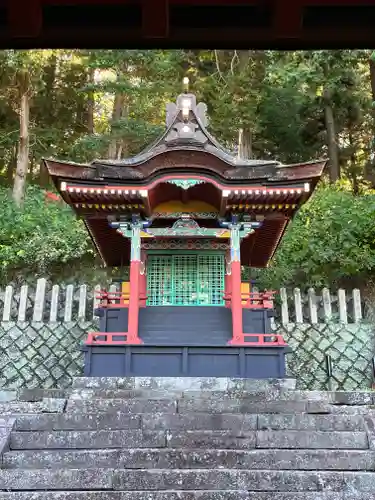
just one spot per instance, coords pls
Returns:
(184, 216)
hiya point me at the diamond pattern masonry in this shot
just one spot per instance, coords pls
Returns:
(351, 347)
(47, 355)
(41, 355)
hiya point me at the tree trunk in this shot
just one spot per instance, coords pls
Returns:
(245, 149)
(49, 77)
(116, 115)
(245, 146)
(372, 82)
(90, 103)
(372, 75)
(19, 186)
(353, 165)
(334, 166)
(11, 166)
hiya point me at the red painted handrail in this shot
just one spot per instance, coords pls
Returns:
(254, 300)
(262, 339)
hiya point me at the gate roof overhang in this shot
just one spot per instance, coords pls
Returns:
(186, 163)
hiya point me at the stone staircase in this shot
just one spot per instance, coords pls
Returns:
(190, 439)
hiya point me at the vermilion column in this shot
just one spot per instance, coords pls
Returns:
(236, 302)
(135, 265)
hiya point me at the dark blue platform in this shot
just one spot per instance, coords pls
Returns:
(185, 342)
(184, 361)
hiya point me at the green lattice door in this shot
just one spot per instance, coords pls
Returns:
(185, 280)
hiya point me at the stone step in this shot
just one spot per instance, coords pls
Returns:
(183, 383)
(87, 439)
(268, 439)
(194, 405)
(304, 421)
(187, 479)
(340, 398)
(166, 495)
(22, 407)
(184, 495)
(189, 421)
(192, 459)
(232, 439)
(122, 405)
(76, 421)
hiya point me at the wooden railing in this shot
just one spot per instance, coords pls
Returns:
(51, 303)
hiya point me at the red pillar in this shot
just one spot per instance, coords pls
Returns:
(236, 305)
(135, 265)
(236, 302)
(134, 303)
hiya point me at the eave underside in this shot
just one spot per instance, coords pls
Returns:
(256, 250)
(270, 191)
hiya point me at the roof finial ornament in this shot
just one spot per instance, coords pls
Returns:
(185, 83)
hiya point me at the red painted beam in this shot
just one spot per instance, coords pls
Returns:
(25, 18)
(287, 19)
(155, 18)
(287, 3)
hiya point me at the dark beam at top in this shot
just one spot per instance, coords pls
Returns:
(155, 18)
(266, 24)
(24, 18)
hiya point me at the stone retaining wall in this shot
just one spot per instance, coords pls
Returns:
(47, 355)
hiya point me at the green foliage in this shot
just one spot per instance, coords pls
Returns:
(41, 237)
(276, 97)
(331, 241)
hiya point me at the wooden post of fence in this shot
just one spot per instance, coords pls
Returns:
(8, 297)
(357, 306)
(313, 311)
(82, 302)
(298, 305)
(68, 303)
(343, 313)
(23, 304)
(96, 301)
(284, 306)
(327, 306)
(54, 304)
(39, 300)
(113, 289)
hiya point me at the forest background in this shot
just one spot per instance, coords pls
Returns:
(290, 106)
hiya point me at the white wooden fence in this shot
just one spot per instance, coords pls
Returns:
(52, 303)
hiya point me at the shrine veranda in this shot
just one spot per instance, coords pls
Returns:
(185, 215)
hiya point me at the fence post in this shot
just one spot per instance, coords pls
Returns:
(96, 301)
(23, 304)
(312, 306)
(39, 300)
(298, 305)
(357, 306)
(82, 302)
(68, 303)
(327, 306)
(284, 307)
(8, 296)
(54, 304)
(343, 313)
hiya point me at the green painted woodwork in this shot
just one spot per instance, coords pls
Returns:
(185, 183)
(185, 279)
(185, 227)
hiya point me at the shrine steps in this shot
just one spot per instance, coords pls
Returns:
(193, 439)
